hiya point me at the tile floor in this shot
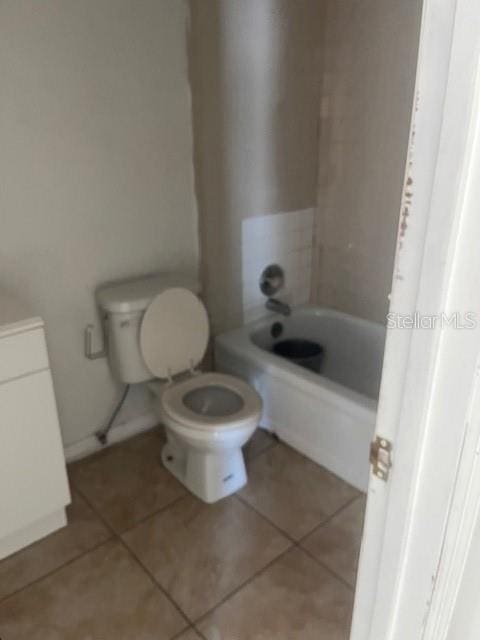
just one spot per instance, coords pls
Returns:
(143, 559)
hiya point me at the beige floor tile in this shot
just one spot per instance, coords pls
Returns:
(258, 443)
(292, 491)
(127, 482)
(294, 599)
(337, 543)
(102, 595)
(191, 634)
(200, 553)
(83, 532)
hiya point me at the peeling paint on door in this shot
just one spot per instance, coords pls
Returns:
(407, 197)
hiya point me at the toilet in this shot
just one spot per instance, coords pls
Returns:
(157, 331)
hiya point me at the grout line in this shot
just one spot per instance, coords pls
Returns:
(285, 533)
(143, 519)
(114, 536)
(276, 441)
(250, 458)
(137, 561)
(200, 634)
(112, 532)
(266, 518)
(328, 519)
(263, 570)
(273, 442)
(298, 543)
(153, 514)
(258, 573)
(241, 586)
(317, 464)
(157, 584)
(99, 514)
(61, 566)
(326, 567)
(191, 628)
(118, 537)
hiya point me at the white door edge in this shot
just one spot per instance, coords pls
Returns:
(405, 520)
(464, 508)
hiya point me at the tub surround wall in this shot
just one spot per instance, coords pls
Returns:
(254, 68)
(285, 239)
(96, 173)
(271, 78)
(368, 77)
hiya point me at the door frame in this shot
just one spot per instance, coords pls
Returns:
(429, 377)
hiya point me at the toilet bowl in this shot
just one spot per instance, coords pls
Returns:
(159, 330)
(208, 417)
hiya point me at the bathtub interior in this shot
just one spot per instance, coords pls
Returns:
(352, 348)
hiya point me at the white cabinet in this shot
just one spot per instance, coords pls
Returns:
(33, 481)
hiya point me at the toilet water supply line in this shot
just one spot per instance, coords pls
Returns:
(102, 434)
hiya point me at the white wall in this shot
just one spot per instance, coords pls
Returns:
(96, 179)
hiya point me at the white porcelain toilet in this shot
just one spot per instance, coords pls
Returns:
(157, 328)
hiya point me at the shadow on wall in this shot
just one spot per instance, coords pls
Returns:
(254, 73)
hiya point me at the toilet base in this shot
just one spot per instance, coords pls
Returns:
(208, 476)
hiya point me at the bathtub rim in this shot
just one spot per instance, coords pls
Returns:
(239, 342)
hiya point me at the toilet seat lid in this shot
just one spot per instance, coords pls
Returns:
(174, 333)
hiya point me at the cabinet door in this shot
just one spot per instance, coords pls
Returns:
(33, 480)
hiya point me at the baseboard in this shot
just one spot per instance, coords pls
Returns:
(121, 432)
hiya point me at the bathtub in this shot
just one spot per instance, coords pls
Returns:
(328, 415)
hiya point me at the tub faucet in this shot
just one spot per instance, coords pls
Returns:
(277, 306)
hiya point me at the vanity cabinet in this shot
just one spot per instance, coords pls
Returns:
(33, 481)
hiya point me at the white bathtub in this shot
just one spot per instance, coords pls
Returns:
(328, 416)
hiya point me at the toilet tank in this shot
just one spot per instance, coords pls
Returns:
(123, 305)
